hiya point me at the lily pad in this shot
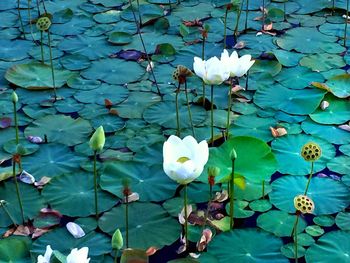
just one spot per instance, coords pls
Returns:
(339, 85)
(20, 255)
(120, 38)
(329, 196)
(340, 164)
(36, 76)
(343, 220)
(149, 225)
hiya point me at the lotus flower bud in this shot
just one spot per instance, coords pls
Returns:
(233, 154)
(98, 139)
(311, 152)
(213, 171)
(14, 97)
(304, 204)
(117, 240)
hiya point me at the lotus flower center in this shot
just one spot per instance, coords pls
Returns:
(182, 159)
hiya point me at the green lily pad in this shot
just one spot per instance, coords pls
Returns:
(255, 161)
(149, 225)
(157, 187)
(324, 220)
(51, 160)
(19, 255)
(247, 245)
(114, 71)
(332, 247)
(31, 200)
(5, 172)
(252, 190)
(291, 101)
(260, 205)
(342, 220)
(305, 240)
(75, 62)
(329, 196)
(280, 223)
(36, 76)
(60, 239)
(337, 112)
(322, 61)
(314, 230)
(239, 209)
(14, 50)
(25, 147)
(295, 39)
(61, 129)
(288, 250)
(340, 164)
(339, 85)
(287, 151)
(120, 38)
(73, 195)
(286, 58)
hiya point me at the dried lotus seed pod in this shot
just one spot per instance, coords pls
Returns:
(43, 23)
(181, 73)
(304, 204)
(311, 152)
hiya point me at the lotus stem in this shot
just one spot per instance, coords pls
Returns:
(116, 255)
(246, 16)
(17, 189)
(203, 84)
(232, 194)
(225, 29)
(295, 231)
(30, 19)
(144, 47)
(346, 22)
(310, 176)
(95, 185)
(177, 110)
(263, 189)
(235, 34)
(284, 11)
(127, 220)
(138, 8)
(189, 110)
(229, 102)
(333, 6)
(212, 114)
(263, 14)
(186, 216)
(51, 64)
(3, 204)
(20, 18)
(247, 80)
(208, 206)
(16, 121)
(42, 47)
(170, 8)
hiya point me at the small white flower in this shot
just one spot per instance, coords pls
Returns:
(212, 71)
(184, 160)
(46, 257)
(236, 66)
(75, 230)
(78, 255)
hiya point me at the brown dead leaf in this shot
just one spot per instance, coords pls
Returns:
(192, 23)
(9, 232)
(268, 27)
(108, 103)
(39, 232)
(151, 251)
(221, 196)
(23, 231)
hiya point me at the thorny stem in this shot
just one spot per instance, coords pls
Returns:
(212, 114)
(177, 110)
(3, 205)
(346, 21)
(17, 189)
(235, 34)
(246, 16)
(51, 64)
(144, 47)
(310, 176)
(189, 110)
(229, 101)
(225, 29)
(186, 216)
(232, 193)
(20, 18)
(16, 121)
(95, 185)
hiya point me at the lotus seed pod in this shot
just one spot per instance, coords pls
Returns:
(311, 152)
(43, 23)
(117, 240)
(98, 139)
(304, 204)
(14, 97)
(181, 73)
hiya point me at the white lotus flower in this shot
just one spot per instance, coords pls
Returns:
(78, 255)
(46, 257)
(237, 66)
(75, 230)
(212, 71)
(183, 160)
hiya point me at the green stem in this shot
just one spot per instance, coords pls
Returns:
(138, 8)
(95, 185)
(212, 114)
(247, 80)
(8, 214)
(346, 21)
(116, 256)
(17, 190)
(144, 47)
(177, 110)
(208, 206)
(263, 189)
(189, 110)
(284, 11)
(333, 6)
(51, 64)
(232, 193)
(310, 176)
(263, 14)
(246, 16)
(186, 216)
(42, 47)
(237, 22)
(16, 122)
(225, 29)
(295, 231)
(203, 84)
(170, 8)
(30, 19)
(20, 18)
(229, 101)
(127, 220)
